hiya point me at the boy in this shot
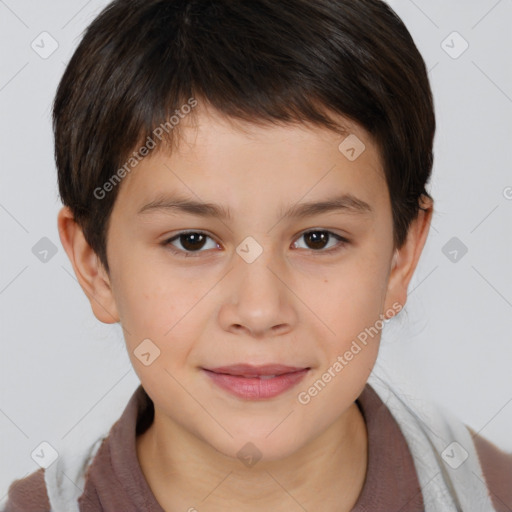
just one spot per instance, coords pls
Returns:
(244, 190)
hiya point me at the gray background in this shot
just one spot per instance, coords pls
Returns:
(62, 371)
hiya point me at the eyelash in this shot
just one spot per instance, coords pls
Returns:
(342, 242)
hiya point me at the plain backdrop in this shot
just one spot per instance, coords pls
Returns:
(61, 369)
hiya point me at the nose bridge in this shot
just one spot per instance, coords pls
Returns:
(255, 271)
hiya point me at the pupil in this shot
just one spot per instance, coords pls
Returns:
(317, 239)
(194, 237)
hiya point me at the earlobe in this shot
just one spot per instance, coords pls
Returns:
(88, 269)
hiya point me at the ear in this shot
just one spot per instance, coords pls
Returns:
(406, 258)
(89, 271)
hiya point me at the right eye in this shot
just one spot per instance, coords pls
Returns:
(191, 241)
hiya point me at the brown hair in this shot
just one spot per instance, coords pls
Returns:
(261, 61)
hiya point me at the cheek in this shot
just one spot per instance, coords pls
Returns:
(166, 309)
(353, 298)
(352, 304)
(148, 304)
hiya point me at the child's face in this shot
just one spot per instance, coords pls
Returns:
(292, 305)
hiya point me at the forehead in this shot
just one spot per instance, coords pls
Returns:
(206, 129)
(246, 162)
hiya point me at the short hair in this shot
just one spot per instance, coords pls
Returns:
(262, 61)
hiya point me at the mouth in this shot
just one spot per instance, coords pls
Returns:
(256, 382)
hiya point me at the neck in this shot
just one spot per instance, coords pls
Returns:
(185, 473)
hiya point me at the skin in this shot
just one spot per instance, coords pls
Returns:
(295, 304)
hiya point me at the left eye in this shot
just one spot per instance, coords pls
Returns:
(319, 238)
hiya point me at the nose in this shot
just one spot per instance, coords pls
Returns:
(259, 302)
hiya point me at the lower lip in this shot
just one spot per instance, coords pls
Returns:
(254, 388)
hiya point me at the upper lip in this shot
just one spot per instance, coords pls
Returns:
(249, 370)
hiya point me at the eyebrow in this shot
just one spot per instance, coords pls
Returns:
(346, 203)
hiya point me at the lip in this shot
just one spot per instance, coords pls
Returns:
(256, 382)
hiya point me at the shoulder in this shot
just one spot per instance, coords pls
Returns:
(497, 469)
(28, 494)
(115, 455)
